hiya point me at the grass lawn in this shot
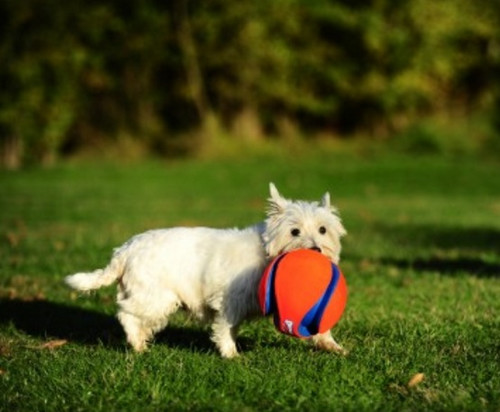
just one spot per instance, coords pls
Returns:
(422, 262)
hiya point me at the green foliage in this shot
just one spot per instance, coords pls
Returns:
(80, 75)
(472, 137)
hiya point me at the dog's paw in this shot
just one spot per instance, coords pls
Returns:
(339, 350)
(326, 343)
(331, 346)
(141, 347)
(229, 352)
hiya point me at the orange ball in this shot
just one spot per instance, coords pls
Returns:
(305, 292)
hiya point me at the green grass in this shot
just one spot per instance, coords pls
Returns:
(422, 262)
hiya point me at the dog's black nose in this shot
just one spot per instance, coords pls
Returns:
(316, 249)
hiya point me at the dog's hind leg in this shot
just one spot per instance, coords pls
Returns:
(137, 333)
(141, 320)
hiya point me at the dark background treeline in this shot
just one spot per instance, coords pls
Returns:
(168, 75)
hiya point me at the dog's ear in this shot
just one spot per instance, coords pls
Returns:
(277, 203)
(325, 201)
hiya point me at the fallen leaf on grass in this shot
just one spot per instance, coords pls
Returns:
(415, 380)
(52, 344)
(13, 239)
(2, 372)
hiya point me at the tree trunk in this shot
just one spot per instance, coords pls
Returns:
(10, 152)
(195, 83)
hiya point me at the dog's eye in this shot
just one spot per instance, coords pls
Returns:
(295, 232)
(322, 230)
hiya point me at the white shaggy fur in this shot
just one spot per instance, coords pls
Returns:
(214, 273)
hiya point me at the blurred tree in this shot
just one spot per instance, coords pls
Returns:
(89, 74)
(37, 98)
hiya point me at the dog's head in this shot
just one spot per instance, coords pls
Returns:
(294, 225)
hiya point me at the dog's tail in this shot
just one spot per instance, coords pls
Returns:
(96, 279)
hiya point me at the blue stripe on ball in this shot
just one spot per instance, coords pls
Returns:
(270, 302)
(310, 323)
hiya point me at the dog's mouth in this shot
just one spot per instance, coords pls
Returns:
(315, 248)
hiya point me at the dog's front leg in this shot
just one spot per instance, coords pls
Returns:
(224, 336)
(325, 341)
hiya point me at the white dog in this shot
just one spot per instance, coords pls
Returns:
(214, 273)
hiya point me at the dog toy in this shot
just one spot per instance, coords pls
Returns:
(304, 291)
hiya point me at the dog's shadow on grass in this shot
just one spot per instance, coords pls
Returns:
(43, 319)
